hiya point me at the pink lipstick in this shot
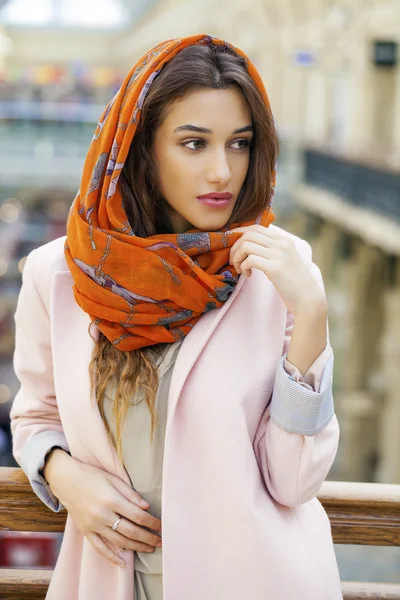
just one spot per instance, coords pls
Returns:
(215, 199)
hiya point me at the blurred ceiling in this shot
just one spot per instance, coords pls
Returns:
(333, 15)
(93, 14)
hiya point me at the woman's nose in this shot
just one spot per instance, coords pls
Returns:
(219, 170)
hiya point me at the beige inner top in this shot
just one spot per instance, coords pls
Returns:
(143, 460)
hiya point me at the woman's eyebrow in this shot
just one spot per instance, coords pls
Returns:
(205, 130)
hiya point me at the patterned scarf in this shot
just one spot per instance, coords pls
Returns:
(143, 291)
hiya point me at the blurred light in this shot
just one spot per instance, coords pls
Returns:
(14, 201)
(21, 264)
(102, 76)
(94, 13)
(24, 556)
(10, 210)
(3, 266)
(20, 12)
(5, 394)
(304, 58)
(43, 74)
(73, 13)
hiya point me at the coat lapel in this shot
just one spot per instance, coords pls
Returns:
(193, 345)
(72, 351)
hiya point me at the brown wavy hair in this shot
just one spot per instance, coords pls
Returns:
(194, 68)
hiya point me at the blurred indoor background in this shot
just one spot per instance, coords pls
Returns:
(332, 71)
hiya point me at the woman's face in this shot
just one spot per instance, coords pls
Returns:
(203, 147)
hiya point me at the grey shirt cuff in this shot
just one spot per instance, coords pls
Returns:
(297, 409)
(32, 461)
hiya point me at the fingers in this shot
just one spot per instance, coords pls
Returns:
(132, 506)
(99, 544)
(128, 493)
(115, 537)
(135, 532)
(271, 231)
(258, 262)
(253, 237)
(246, 249)
(135, 514)
(261, 243)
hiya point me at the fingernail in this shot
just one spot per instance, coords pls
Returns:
(144, 504)
(121, 564)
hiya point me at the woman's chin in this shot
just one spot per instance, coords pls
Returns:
(212, 222)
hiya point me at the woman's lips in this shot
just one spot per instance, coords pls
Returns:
(215, 200)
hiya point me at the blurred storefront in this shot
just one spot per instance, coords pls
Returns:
(57, 72)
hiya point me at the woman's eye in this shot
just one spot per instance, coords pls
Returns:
(243, 144)
(198, 144)
(186, 144)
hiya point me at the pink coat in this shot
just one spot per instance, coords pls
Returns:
(240, 517)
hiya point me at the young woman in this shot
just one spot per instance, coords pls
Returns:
(173, 353)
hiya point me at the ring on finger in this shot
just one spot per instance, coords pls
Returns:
(117, 522)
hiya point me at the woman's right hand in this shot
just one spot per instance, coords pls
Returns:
(95, 499)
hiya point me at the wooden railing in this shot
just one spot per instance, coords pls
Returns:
(360, 513)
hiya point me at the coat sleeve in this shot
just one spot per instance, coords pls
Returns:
(35, 421)
(298, 434)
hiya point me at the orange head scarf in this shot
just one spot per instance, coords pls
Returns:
(143, 291)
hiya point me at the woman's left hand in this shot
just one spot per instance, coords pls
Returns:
(274, 253)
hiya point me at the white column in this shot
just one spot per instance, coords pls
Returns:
(359, 135)
(357, 402)
(389, 464)
(316, 105)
